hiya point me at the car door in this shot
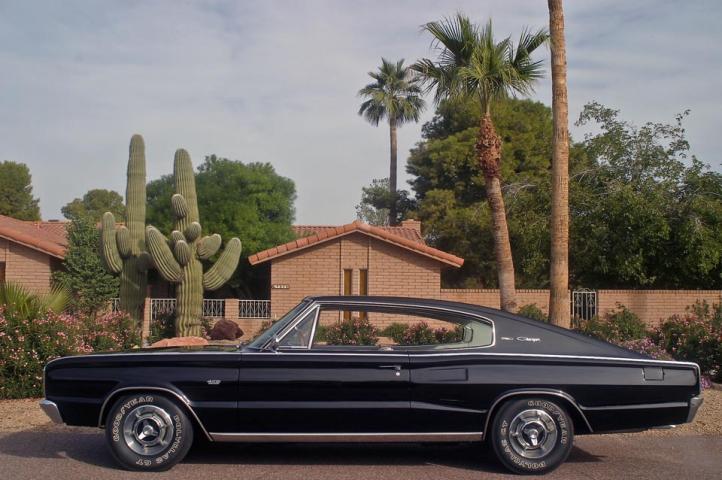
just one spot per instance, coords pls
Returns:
(448, 389)
(306, 388)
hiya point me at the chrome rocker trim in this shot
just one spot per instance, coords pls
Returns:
(348, 437)
(181, 398)
(51, 410)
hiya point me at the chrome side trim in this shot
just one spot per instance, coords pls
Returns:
(516, 393)
(51, 410)
(348, 437)
(142, 388)
(640, 406)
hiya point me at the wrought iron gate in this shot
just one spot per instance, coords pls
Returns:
(584, 304)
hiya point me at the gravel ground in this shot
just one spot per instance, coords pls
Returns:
(16, 415)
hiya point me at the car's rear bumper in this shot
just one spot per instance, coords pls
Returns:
(694, 404)
(51, 410)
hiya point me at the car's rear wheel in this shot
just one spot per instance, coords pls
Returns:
(532, 435)
(148, 432)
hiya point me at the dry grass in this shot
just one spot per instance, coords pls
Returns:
(25, 414)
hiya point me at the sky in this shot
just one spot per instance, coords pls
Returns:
(276, 81)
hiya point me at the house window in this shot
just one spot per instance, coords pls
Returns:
(2, 272)
(363, 287)
(347, 288)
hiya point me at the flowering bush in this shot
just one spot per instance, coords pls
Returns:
(696, 337)
(646, 346)
(617, 326)
(422, 334)
(27, 344)
(352, 331)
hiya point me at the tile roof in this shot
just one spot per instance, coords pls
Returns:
(326, 233)
(47, 237)
(405, 232)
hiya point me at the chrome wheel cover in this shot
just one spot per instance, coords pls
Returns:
(148, 430)
(532, 433)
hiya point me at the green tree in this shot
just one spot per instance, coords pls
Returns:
(450, 188)
(16, 192)
(83, 274)
(245, 200)
(394, 95)
(94, 204)
(471, 63)
(644, 214)
(376, 202)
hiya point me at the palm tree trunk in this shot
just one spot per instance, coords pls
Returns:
(392, 172)
(488, 148)
(559, 309)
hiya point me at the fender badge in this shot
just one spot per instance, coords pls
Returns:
(508, 339)
(213, 382)
(528, 339)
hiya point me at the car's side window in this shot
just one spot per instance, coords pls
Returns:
(300, 335)
(395, 327)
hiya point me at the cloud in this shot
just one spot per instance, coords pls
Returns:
(276, 82)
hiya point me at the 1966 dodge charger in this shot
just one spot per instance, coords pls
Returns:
(524, 386)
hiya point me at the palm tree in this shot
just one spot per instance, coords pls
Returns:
(472, 64)
(396, 96)
(559, 274)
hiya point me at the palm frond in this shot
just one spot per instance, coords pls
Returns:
(395, 94)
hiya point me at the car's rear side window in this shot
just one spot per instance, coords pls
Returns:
(398, 327)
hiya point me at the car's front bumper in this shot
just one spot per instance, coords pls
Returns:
(51, 410)
(694, 404)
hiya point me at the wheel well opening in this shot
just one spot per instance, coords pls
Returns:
(108, 406)
(578, 420)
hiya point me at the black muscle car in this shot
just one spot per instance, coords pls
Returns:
(438, 371)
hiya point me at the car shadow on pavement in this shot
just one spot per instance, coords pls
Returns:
(81, 444)
(88, 446)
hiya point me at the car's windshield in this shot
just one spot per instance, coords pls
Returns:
(277, 326)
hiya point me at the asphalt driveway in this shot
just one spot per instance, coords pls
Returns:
(79, 453)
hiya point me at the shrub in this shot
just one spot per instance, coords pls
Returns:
(395, 331)
(617, 326)
(646, 346)
(27, 344)
(352, 331)
(696, 337)
(532, 311)
(419, 334)
(444, 335)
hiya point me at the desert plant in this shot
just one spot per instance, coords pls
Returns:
(22, 304)
(178, 259)
(532, 311)
(123, 247)
(352, 331)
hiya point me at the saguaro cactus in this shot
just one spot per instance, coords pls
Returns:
(178, 258)
(123, 248)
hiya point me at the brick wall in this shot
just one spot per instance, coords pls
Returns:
(26, 266)
(653, 306)
(489, 297)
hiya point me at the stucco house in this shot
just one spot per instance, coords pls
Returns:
(31, 251)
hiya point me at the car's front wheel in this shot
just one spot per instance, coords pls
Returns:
(532, 435)
(148, 432)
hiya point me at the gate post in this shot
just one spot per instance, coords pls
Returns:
(145, 331)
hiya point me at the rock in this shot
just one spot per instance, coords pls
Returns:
(180, 342)
(226, 330)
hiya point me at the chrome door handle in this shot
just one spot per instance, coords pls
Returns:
(395, 367)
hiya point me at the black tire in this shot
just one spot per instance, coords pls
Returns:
(148, 432)
(532, 436)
